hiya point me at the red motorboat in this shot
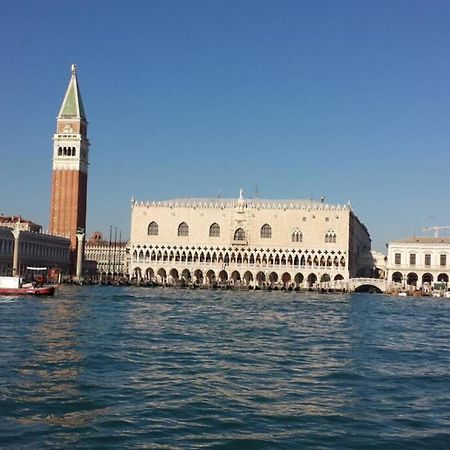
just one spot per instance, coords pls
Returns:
(15, 286)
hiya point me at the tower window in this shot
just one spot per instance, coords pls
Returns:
(73, 151)
(266, 231)
(183, 229)
(152, 229)
(214, 230)
(59, 151)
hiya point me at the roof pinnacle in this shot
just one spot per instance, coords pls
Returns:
(72, 106)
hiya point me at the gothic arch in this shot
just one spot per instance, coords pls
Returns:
(260, 278)
(223, 276)
(299, 279)
(199, 276)
(312, 279)
(248, 277)
(239, 235)
(235, 275)
(266, 231)
(152, 229)
(183, 229)
(286, 278)
(214, 230)
(186, 274)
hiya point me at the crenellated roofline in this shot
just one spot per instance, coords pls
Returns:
(215, 203)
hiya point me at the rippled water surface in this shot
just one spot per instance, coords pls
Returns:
(100, 367)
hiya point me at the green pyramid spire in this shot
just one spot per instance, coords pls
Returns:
(72, 106)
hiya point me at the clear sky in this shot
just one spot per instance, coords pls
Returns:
(346, 99)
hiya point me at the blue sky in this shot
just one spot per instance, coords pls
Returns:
(346, 99)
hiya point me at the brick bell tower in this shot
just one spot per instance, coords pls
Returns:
(70, 168)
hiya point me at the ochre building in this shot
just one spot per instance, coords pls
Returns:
(245, 242)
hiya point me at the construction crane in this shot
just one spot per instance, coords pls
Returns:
(436, 230)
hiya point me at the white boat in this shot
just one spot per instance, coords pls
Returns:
(17, 286)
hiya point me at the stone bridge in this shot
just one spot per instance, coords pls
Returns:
(355, 284)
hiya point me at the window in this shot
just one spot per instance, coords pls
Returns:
(266, 231)
(183, 229)
(59, 151)
(214, 230)
(297, 236)
(443, 260)
(398, 258)
(239, 235)
(330, 237)
(152, 229)
(412, 259)
(428, 260)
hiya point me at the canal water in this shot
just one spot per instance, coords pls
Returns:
(113, 368)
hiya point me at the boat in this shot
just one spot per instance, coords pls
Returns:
(17, 286)
(439, 289)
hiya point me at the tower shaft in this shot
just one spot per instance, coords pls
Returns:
(70, 167)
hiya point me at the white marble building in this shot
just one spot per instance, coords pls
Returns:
(415, 261)
(35, 249)
(106, 259)
(245, 241)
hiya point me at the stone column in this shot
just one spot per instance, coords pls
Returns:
(80, 239)
(16, 234)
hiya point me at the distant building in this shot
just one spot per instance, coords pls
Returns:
(35, 250)
(419, 261)
(20, 223)
(372, 264)
(245, 241)
(104, 259)
(70, 168)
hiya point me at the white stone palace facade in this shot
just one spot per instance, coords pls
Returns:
(245, 242)
(106, 259)
(415, 261)
(35, 249)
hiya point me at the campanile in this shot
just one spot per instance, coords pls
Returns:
(70, 167)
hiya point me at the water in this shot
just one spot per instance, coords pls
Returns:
(99, 367)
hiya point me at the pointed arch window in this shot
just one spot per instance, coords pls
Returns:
(183, 229)
(266, 231)
(297, 236)
(152, 229)
(330, 237)
(239, 235)
(214, 230)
